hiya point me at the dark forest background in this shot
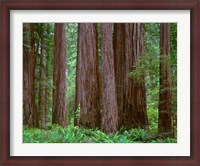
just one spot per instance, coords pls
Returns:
(99, 82)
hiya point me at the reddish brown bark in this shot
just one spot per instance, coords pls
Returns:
(119, 59)
(59, 76)
(30, 116)
(109, 98)
(134, 113)
(43, 83)
(87, 80)
(165, 113)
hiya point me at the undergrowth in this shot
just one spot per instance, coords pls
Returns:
(71, 134)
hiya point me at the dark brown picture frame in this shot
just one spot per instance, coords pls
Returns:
(8, 5)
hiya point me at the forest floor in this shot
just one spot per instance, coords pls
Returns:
(71, 134)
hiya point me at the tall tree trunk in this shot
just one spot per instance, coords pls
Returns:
(119, 60)
(165, 113)
(59, 76)
(134, 93)
(30, 116)
(78, 83)
(43, 87)
(87, 79)
(47, 94)
(109, 100)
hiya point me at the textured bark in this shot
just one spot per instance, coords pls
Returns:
(47, 94)
(165, 113)
(59, 76)
(43, 87)
(119, 60)
(134, 113)
(87, 80)
(109, 100)
(30, 116)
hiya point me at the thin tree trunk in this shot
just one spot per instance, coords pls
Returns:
(87, 79)
(78, 81)
(43, 80)
(109, 100)
(59, 76)
(165, 113)
(47, 95)
(134, 103)
(30, 116)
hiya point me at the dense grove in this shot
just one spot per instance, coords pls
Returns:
(105, 82)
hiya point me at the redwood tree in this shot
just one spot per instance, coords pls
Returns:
(30, 116)
(59, 75)
(119, 59)
(87, 78)
(165, 98)
(43, 82)
(134, 94)
(109, 98)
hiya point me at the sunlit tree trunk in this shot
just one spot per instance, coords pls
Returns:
(59, 76)
(109, 98)
(134, 94)
(87, 79)
(165, 97)
(30, 116)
